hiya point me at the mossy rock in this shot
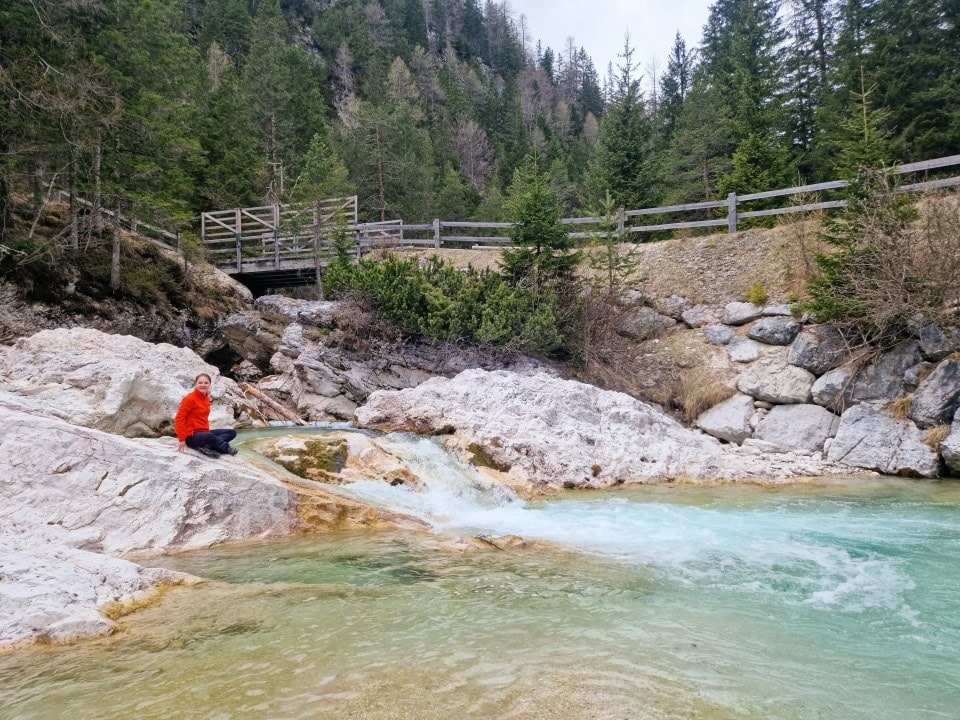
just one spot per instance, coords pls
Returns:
(321, 459)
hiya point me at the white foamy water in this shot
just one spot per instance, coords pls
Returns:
(828, 558)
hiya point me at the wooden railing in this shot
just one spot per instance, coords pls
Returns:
(277, 236)
(167, 239)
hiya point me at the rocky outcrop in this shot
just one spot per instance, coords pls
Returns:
(882, 380)
(115, 383)
(547, 432)
(870, 438)
(326, 372)
(71, 497)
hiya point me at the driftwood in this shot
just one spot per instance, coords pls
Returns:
(272, 404)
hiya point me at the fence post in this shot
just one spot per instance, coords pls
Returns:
(436, 233)
(621, 222)
(239, 237)
(732, 212)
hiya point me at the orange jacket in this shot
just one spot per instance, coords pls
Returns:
(193, 415)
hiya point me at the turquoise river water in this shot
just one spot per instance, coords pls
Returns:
(837, 600)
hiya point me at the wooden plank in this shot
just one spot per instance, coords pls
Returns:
(479, 225)
(582, 221)
(244, 212)
(475, 238)
(795, 209)
(929, 185)
(678, 226)
(677, 208)
(832, 185)
(928, 164)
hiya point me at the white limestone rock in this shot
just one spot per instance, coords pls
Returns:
(776, 382)
(55, 592)
(115, 383)
(870, 438)
(545, 432)
(777, 310)
(798, 427)
(729, 420)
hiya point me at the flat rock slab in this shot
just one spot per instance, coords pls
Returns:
(870, 438)
(743, 350)
(700, 315)
(718, 334)
(798, 427)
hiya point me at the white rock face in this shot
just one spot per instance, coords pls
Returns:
(115, 383)
(776, 382)
(729, 420)
(545, 431)
(69, 493)
(56, 592)
(950, 447)
(798, 427)
(870, 438)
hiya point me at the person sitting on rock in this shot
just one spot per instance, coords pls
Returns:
(192, 423)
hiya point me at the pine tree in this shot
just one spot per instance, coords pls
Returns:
(675, 84)
(543, 252)
(623, 161)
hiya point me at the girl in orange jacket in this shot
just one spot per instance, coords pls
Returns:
(192, 423)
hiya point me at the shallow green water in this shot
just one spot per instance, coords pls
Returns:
(837, 601)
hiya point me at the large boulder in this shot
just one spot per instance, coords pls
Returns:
(818, 349)
(870, 438)
(938, 397)
(643, 322)
(774, 330)
(950, 447)
(776, 382)
(115, 383)
(740, 313)
(937, 343)
(798, 427)
(883, 380)
(729, 420)
(829, 388)
(544, 432)
(283, 310)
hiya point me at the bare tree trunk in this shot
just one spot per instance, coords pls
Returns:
(380, 181)
(74, 213)
(115, 258)
(318, 266)
(96, 219)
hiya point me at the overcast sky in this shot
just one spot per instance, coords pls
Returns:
(598, 25)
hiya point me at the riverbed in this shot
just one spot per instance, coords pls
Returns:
(835, 599)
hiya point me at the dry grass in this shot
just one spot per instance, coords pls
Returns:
(699, 390)
(936, 435)
(899, 409)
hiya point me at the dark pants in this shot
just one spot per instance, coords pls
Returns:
(217, 440)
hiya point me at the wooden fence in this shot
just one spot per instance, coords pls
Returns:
(285, 236)
(435, 234)
(164, 238)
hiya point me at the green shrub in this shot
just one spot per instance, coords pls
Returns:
(757, 294)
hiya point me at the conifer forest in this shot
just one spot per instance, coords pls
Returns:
(426, 108)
